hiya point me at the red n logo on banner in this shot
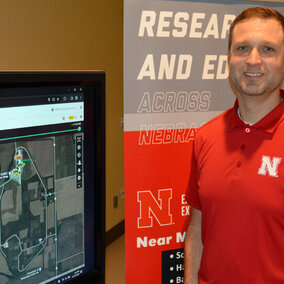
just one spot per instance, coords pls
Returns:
(150, 207)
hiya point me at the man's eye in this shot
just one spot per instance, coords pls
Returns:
(268, 49)
(242, 48)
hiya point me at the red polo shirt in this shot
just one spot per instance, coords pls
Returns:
(237, 180)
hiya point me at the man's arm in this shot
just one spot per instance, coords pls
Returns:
(192, 248)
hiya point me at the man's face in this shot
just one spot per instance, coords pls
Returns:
(256, 57)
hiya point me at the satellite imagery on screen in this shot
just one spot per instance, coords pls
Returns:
(42, 208)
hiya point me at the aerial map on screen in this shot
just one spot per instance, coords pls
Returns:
(41, 207)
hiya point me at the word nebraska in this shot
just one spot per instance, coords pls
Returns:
(162, 241)
(166, 133)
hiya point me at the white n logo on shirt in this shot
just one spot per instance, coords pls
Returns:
(268, 166)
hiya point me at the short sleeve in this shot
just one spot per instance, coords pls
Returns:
(192, 195)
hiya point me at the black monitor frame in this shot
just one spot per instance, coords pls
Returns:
(95, 124)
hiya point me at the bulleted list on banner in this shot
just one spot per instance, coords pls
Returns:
(172, 266)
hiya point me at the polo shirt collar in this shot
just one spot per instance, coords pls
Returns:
(268, 123)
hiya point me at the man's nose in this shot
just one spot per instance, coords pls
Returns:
(254, 57)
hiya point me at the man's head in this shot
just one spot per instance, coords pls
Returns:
(256, 52)
(255, 12)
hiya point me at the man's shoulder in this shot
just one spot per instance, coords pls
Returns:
(212, 133)
(217, 124)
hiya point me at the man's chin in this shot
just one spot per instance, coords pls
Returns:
(254, 94)
(253, 91)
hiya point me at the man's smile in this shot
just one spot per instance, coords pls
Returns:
(250, 74)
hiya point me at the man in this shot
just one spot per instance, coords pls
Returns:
(236, 187)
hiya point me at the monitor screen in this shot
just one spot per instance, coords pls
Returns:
(51, 177)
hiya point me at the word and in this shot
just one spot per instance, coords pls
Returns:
(178, 67)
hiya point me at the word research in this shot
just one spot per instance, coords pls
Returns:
(182, 24)
(161, 241)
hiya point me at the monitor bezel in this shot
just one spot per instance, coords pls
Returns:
(97, 80)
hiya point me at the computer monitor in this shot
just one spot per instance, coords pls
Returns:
(52, 184)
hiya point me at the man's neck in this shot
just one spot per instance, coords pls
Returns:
(254, 108)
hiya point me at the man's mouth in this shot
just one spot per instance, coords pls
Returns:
(253, 75)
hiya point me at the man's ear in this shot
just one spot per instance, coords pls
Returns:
(228, 59)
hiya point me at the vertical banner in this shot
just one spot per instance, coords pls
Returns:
(175, 80)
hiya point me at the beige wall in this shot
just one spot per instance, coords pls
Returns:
(69, 35)
(276, 1)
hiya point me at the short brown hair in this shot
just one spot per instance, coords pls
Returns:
(255, 12)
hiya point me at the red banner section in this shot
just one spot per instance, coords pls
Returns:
(156, 174)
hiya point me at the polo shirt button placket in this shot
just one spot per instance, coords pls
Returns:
(243, 147)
